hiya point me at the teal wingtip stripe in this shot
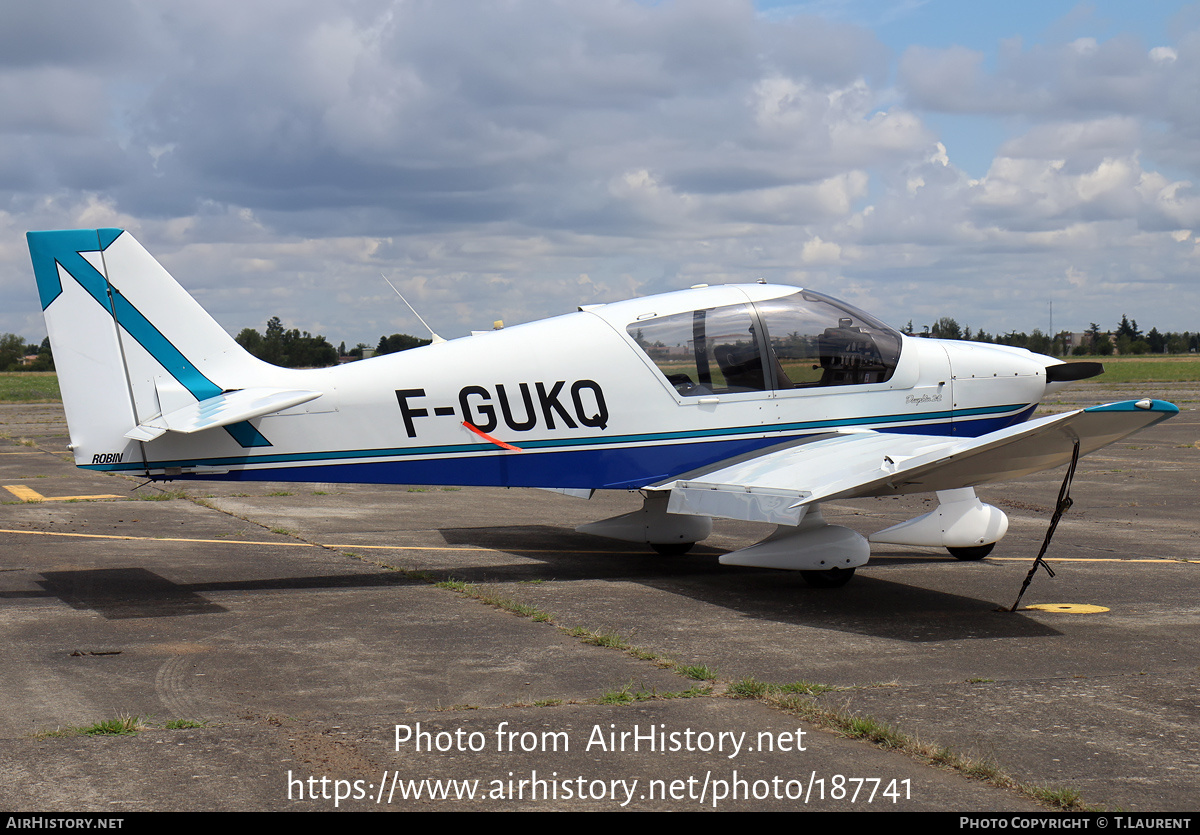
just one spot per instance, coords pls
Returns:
(1132, 406)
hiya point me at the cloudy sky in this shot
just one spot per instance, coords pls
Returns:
(512, 159)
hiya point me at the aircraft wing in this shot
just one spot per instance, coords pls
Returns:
(778, 486)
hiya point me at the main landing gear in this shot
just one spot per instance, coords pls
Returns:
(825, 555)
(963, 525)
(977, 552)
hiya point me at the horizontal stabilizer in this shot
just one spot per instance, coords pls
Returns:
(222, 410)
(778, 486)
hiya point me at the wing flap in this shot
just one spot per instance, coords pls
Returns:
(778, 486)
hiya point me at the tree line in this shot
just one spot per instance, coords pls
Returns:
(1127, 338)
(279, 346)
(296, 349)
(300, 349)
(14, 349)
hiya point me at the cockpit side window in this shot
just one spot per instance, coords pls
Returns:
(805, 340)
(705, 352)
(814, 340)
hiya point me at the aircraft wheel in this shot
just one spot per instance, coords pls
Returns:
(975, 552)
(834, 578)
(672, 549)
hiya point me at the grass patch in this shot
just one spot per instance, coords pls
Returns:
(606, 638)
(628, 694)
(1143, 369)
(163, 496)
(280, 493)
(121, 726)
(752, 688)
(507, 604)
(797, 699)
(26, 387)
(183, 724)
(283, 531)
(1062, 798)
(622, 696)
(697, 672)
(875, 732)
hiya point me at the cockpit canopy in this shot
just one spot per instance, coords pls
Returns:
(803, 340)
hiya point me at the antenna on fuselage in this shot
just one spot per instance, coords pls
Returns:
(434, 338)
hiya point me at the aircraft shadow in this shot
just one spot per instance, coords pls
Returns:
(868, 605)
(120, 593)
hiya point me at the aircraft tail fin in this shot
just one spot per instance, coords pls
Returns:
(131, 345)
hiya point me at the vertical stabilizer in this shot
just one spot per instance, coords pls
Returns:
(125, 335)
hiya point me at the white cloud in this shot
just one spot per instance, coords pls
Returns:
(1163, 55)
(528, 156)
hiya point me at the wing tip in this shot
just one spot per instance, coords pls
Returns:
(1145, 404)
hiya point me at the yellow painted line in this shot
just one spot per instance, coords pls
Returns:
(1092, 559)
(157, 538)
(78, 498)
(302, 544)
(882, 557)
(27, 494)
(40, 451)
(353, 546)
(449, 548)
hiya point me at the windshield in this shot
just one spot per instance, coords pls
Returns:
(817, 341)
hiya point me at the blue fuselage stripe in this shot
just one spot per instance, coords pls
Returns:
(620, 461)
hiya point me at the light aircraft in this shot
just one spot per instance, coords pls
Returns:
(755, 402)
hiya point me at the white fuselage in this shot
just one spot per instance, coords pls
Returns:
(585, 405)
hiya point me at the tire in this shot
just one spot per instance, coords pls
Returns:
(834, 578)
(672, 549)
(975, 552)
